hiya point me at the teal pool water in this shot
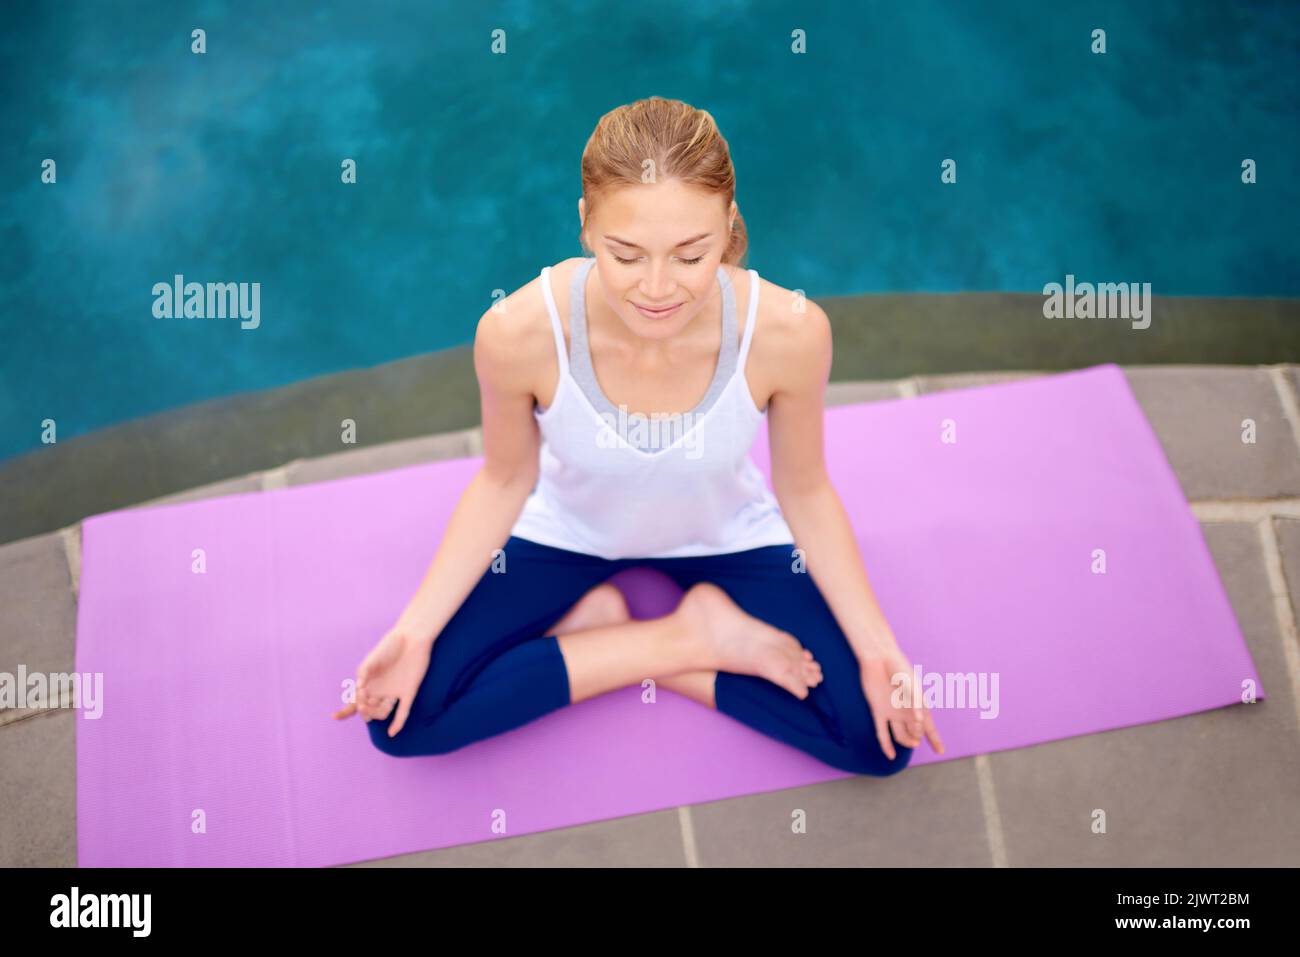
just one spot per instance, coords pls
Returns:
(225, 166)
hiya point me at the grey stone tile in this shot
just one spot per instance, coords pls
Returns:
(38, 792)
(641, 840)
(848, 393)
(39, 619)
(853, 822)
(968, 380)
(390, 455)
(1213, 789)
(1197, 412)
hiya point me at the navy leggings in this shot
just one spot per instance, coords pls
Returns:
(495, 666)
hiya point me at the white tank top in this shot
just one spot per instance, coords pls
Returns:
(692, 490)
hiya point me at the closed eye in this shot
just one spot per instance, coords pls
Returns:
(628, 262)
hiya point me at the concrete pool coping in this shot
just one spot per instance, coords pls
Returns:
(1211, 789)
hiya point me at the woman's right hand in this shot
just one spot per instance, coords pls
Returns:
(389, 676)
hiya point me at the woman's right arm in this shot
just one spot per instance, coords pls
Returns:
(506, 360)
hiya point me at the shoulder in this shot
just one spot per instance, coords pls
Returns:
(513, 338)
(792, 338)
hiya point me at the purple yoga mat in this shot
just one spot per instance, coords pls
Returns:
(216, 745)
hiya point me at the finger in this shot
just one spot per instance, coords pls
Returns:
(403, 709)
(912, 703)
(367, 705)
(882, 735)
(932, 734)
(346, 711)
(912, 730)
(902, 734)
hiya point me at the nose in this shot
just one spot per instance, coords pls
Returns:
(658, 286)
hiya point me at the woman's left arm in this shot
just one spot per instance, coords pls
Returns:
(821, 527)
(809, 502)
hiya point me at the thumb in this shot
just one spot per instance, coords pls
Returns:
(375, 661)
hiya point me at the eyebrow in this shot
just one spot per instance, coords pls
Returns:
(684, 242)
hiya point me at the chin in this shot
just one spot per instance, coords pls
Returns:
(657, 328)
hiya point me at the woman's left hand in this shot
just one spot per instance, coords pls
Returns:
(885, 672)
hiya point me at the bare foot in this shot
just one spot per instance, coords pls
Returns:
(733, 640)
(604, 605)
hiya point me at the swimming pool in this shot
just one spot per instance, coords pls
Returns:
(225, 167)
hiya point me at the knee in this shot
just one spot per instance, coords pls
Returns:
(862, 744)
(405, 744)
(870, 759)
(393, 746)
(882, 766)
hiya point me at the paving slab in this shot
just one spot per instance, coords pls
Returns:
(928, 816)
(38, 791)
(1198, 411)
(389, 455)
(969, 380)
(847, 393)
(245, 483)
(39, 619)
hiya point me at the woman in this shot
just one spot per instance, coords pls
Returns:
(591, 466)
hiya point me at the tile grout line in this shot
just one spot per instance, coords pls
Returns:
(1244, 510)
(989, 805)
(71, 536)
(1281, 606)
(277, 477)
(688, 836)
(1287, 398)
(12, 716)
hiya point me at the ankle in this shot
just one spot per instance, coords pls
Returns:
(684, 642)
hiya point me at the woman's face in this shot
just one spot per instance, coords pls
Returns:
(658, 245)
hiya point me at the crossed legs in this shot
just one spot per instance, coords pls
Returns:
(707, 629)
(604, 605)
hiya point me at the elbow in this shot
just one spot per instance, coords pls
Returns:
(515, 480)
(803, 487)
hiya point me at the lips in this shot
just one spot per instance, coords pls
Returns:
(657, 313)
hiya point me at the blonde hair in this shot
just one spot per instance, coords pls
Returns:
(684, 144)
